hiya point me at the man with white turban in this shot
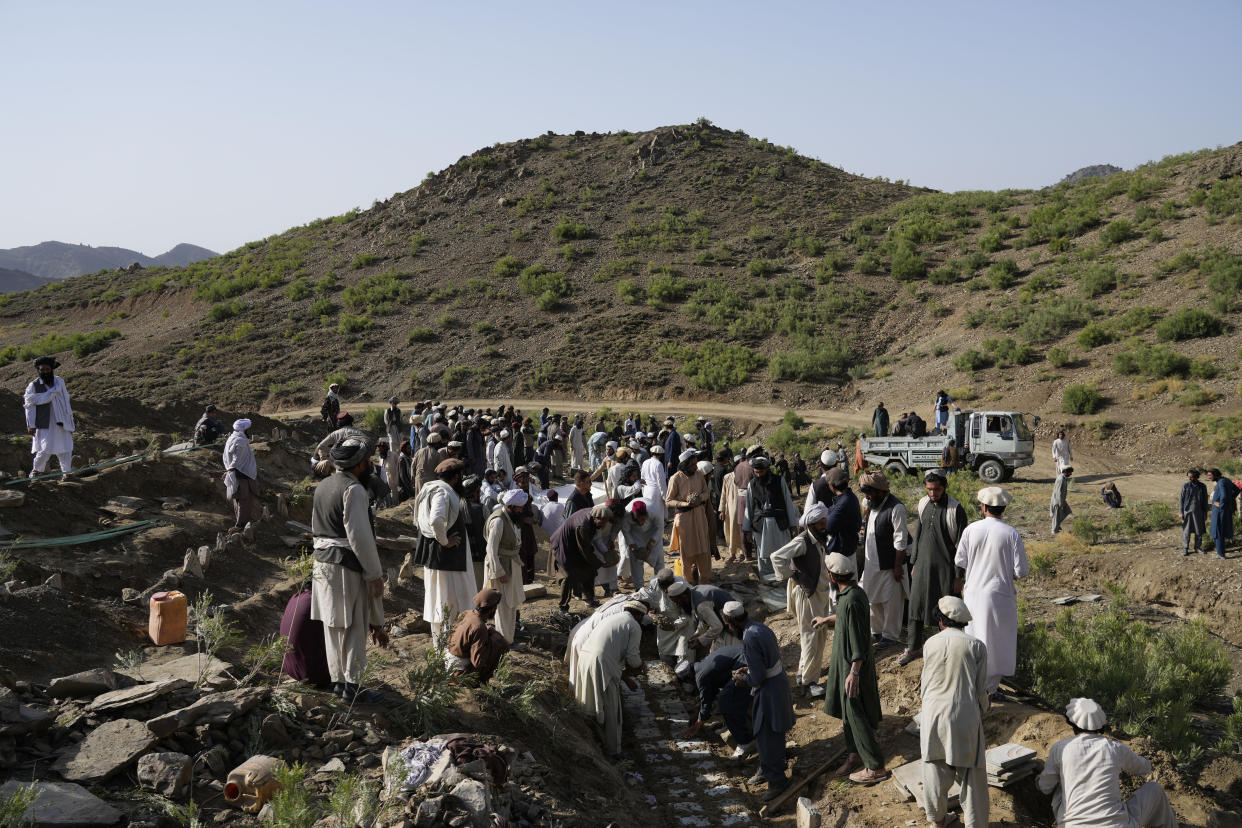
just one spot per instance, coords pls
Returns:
(49, 418)
(955, 668)
(347, 590)
(502, 457)
(608, 657)
(503, 566)
(443, 548)
(671, 625)
(807, 593)
(993, 555)
(689, 497)
(241, 474)
(1083, 775)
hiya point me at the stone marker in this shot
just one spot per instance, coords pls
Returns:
(11, 498)
(87, 683)
(168, 774)
(190, 565)
(218, 708)
(138, 694)
(808, 813)
(534, 591)
(106, 750)
(473, 794)
(64, 804)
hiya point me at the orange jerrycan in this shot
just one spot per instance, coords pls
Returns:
(253, 783)
(168, 618)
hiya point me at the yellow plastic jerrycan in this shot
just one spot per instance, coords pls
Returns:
(252, 783)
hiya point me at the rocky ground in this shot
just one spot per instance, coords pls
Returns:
(88, 701)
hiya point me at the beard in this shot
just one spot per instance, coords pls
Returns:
(820, 535)
(365, 474)
(688, 467)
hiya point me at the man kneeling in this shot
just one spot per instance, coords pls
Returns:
(474, 647)
(1083, 775)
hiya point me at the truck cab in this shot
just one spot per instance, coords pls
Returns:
(994, 443)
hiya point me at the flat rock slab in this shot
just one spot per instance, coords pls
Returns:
(11, 498)
(106, 750)
(64, 804)
(188, 668)
(908, 781)
(138, 694)
(218, 708)
(402, 543)
(534, 591)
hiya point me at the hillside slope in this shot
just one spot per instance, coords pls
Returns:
(53, 260)
(12, 281)
(693, 262)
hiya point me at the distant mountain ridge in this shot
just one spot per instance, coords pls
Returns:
(12, 281)
(53, 260)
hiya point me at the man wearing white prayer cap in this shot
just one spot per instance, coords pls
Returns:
(820, 492)
(688, 499)
(807, 592)
(502, 566)
(1083, 776)
(241, 474)
(993, 555)
(955, 668)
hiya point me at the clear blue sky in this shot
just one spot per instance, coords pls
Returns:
(143, 124)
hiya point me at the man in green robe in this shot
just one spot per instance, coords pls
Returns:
(853, 696)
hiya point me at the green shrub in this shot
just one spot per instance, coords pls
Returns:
(673, 230)
(974, 261)
(818, 361)
(1189, 323)
(351, 324)
(81, 344)
(1097, 280)
(568, 230)
(1094, 335)
(907, 265)
(1002, 273)
(666, 287)
(455, 375)
(1219, 434)
(507, 266)
(322, 307)
(417, 242)
(615, 268)
(869, 263)
(1148, 678)
(446, 320)
(1152, 361)
(1053, 319)
(549, 300)
(422, 334)
(363, 260)
(629, 292)
(1194, 397)
(1009, 352)
(378, 294)
(298, 290)
(223, 311)
(714, 366)
(761, 267)
(946, 275)
(832, 264)
(1118, 231)
(1136, 320)
(1204, 368)
(1081, 398)
(807, 245)
(993, 240)
(1058, 357)
(537, 280)
(971, 360)
(1142, 188)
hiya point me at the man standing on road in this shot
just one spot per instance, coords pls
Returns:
(49, 418)
(940, 525)
(347, 590)
(1058, 508)
(1192, 511)
(1083, 774)
(241, 474)
(1223, 497)
(884, 556)
(955, 668)
(1062, 456)
(852, 692)
(992, 554)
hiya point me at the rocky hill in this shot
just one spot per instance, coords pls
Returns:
(692, 262)
(55, 260)
(1093, 171)
(16, 280)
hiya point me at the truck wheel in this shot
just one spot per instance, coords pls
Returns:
(894, 468)
(991, 471)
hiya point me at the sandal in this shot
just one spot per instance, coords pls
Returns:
(867, 776)
(851, 762)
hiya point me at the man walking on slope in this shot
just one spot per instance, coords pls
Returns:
(49, 418)
(992, 554)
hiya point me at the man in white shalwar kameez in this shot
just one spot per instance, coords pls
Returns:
(884, 548)
(503, 565)
(673, 628)
(993, 555)
(241, 473)
(955, 668)
(578, 446)
(347, 589)
(49, 418)
(1083, 776)
(578, 635)
(653, 474)
(502, 459)
(606, 658)
(808, 592)
(443, 549)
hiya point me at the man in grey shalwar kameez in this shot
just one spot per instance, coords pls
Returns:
(1058, 507)
(770, 515)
